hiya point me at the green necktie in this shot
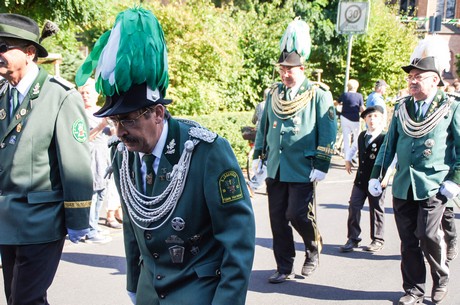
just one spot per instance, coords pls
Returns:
(288, 94)
(148, 159)
(419, 113)
(15, 101)
(367, 139)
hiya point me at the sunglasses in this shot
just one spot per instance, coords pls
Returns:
(5, 48)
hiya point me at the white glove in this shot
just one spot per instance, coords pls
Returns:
(132, 296)
(449, 189)
(256, 166)
(375, 188)
(317, 175)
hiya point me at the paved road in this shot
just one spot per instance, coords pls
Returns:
(95, 274)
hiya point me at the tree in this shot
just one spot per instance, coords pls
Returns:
(71, 16)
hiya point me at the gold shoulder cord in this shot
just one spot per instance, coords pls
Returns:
(287, 109)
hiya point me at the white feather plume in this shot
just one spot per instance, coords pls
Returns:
(433, 46)
(106, 65)
(297, 38)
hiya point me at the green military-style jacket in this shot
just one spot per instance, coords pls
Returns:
(423, 162)
(203, 252)
(298, 144)
(45, 176)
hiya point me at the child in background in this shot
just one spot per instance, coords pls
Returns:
(368, 145)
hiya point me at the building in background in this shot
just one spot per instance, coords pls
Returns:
(446, 23)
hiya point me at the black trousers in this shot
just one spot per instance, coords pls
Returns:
(376, 210)
(448, 225)
(421, 234)
(29, 270)
(291, 203)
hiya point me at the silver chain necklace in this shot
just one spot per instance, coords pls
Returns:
(420, 129)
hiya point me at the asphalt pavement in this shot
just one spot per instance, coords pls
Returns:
(91, 274)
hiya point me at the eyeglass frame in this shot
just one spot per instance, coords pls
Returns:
(282, 70)
(417, 77)
(4, 47)
(127, 123)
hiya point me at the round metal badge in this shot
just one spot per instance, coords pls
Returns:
(178, 223)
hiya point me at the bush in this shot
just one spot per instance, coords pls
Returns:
(228, 125)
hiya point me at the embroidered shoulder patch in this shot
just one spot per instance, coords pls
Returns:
(79, 131)
(230, 187)
(331, 113)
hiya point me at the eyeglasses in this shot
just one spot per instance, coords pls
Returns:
(5, 48)
(417, 78)
(286, 70)
(127, 123)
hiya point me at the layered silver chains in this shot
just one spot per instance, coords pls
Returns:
(419, 129)
(143, 209)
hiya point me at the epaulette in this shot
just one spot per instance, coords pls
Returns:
(203, 134)
(402, 100)
(199, 132)
(64, 83)
(274, 87)
(454, 95)
(321, 85)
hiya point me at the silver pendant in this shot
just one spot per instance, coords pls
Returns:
(177, 254)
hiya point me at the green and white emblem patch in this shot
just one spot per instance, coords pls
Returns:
(79, 130)
(230, 187)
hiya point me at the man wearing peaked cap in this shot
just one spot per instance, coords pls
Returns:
(296, 136)
(187, 217)
(428, 175)
(45, 182)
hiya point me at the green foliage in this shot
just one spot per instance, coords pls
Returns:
(457, 56)
(221, 58)
(228, 125)
(204, 58)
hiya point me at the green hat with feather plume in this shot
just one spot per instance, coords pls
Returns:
(132, 54)
(295, 44)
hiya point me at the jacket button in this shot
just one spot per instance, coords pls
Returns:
(162, 296)
(156, 255)
(148, 236)
(282, 133)
(218, 272)
(159, 277)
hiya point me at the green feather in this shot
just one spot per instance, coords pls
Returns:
(90, 63)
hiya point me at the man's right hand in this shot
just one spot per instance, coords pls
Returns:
(76, 235)
(375, 188)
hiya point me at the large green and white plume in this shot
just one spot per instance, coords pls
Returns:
(296, 38)
(132, 52)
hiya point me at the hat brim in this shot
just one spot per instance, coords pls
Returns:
(371, 109)
(41, 51)
(133, 99)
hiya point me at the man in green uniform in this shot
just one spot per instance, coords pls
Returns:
(45, 176)
(425, 135)
(297, 132)
(188, 222)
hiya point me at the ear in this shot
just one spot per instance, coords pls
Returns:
(30, 51)
(159, 112)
